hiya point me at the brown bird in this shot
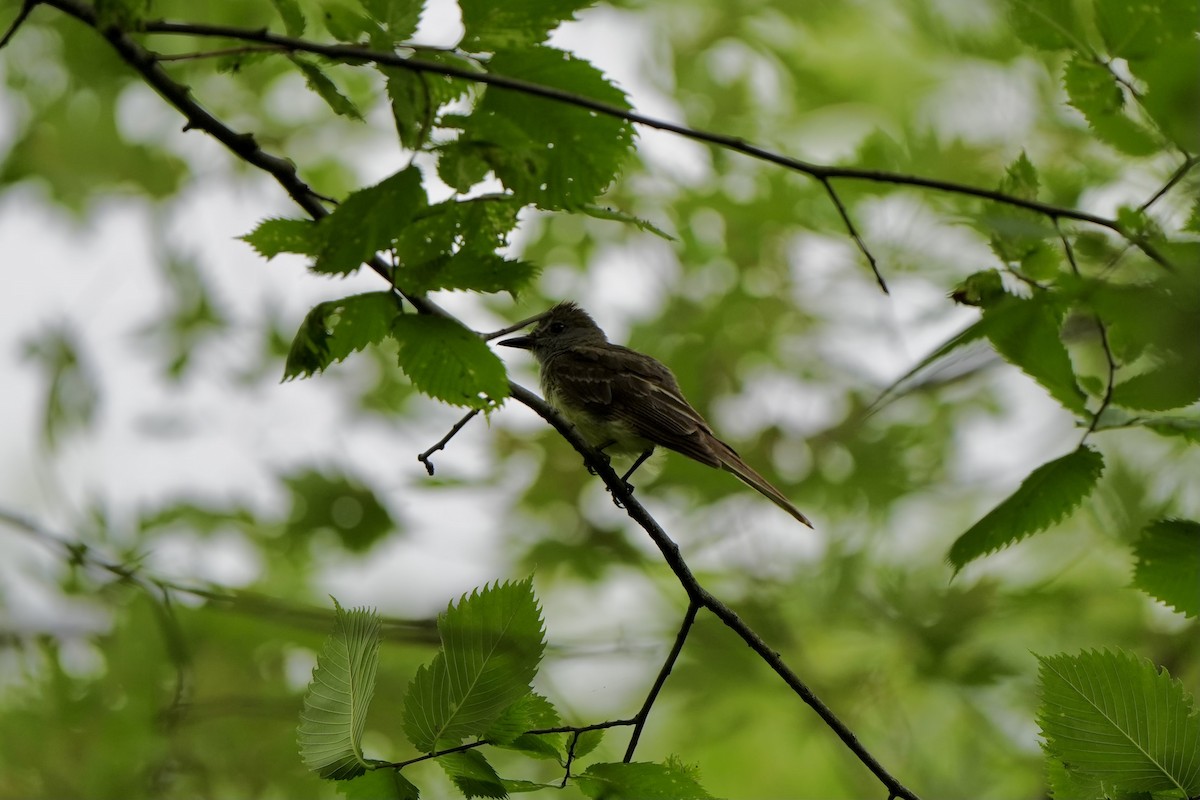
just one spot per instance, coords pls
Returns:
(624, 401)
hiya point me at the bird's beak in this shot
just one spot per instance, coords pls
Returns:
(520, 342)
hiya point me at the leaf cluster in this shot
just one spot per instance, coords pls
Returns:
(475, 692)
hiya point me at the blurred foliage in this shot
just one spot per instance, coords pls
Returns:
(761, 305)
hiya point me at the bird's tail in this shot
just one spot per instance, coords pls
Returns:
(732, 462)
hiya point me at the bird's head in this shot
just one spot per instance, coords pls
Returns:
(561, 328)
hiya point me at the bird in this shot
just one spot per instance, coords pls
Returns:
(625, 402)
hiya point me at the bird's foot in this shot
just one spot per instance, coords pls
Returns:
(600, 456)
(616, 500)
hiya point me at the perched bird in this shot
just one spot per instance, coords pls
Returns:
(623, 401)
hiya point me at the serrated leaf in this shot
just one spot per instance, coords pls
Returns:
(334, 329)
(614, 215)
(472, 774)
(1027, 332)
(546, 152)
(1172, 94)
(1168, 564)
(274, 236)
(639, 781)
(347, 25)
(446, 361)
(1140, 30)
(1186, 427)
(492, 643)
(379, 784)
(324, 86)
(398, 17)
(526, 786)
(1113, 717)
(476, 272)
(1047, 495)
(452, 246)
(335, 705)
(587, 742)
(292, 16)
(490, 26)
(527, 713)
(1173, 384)
(368, 221)
(1095, 92)
(1020, 178)
(1048, 24)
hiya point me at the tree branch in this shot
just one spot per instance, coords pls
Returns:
(817, 171)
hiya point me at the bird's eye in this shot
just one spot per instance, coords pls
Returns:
(557, 327)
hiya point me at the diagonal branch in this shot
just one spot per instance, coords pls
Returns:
(700, 596)
(819, 172)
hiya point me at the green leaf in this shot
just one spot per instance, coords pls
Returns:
(528, 712)
(293, 17)
(347, 25)
(492, 643)
(379, 784)
(1027, 333)
(336, 328)
(1047, 495)
(368, 221)
(1094, 90)
(1168, 564)
(1048, 24)
(476, 272)
(321, 83)
(335, 503)
(491, 26)
(452, 246)
(1139, 30)
(1020, 178)
(587, 742)
(398, 17)
(335, 705)
(72, 393)
(1187, 428)
(1173, 384)
(1172, 94)
(472, 774)
(546, 152)
(1113, 717)
(274, 236)
(446, 361)
(640, 781)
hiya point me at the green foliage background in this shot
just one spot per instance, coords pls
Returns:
(761, 304)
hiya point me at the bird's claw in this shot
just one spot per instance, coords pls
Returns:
(616, 500)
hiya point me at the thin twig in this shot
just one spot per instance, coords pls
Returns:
(853, 231)
(688, 620)
(570, 758)
(1175, 178)
(441, 444)
(1102, 329)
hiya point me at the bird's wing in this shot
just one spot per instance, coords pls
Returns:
(618, 383)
